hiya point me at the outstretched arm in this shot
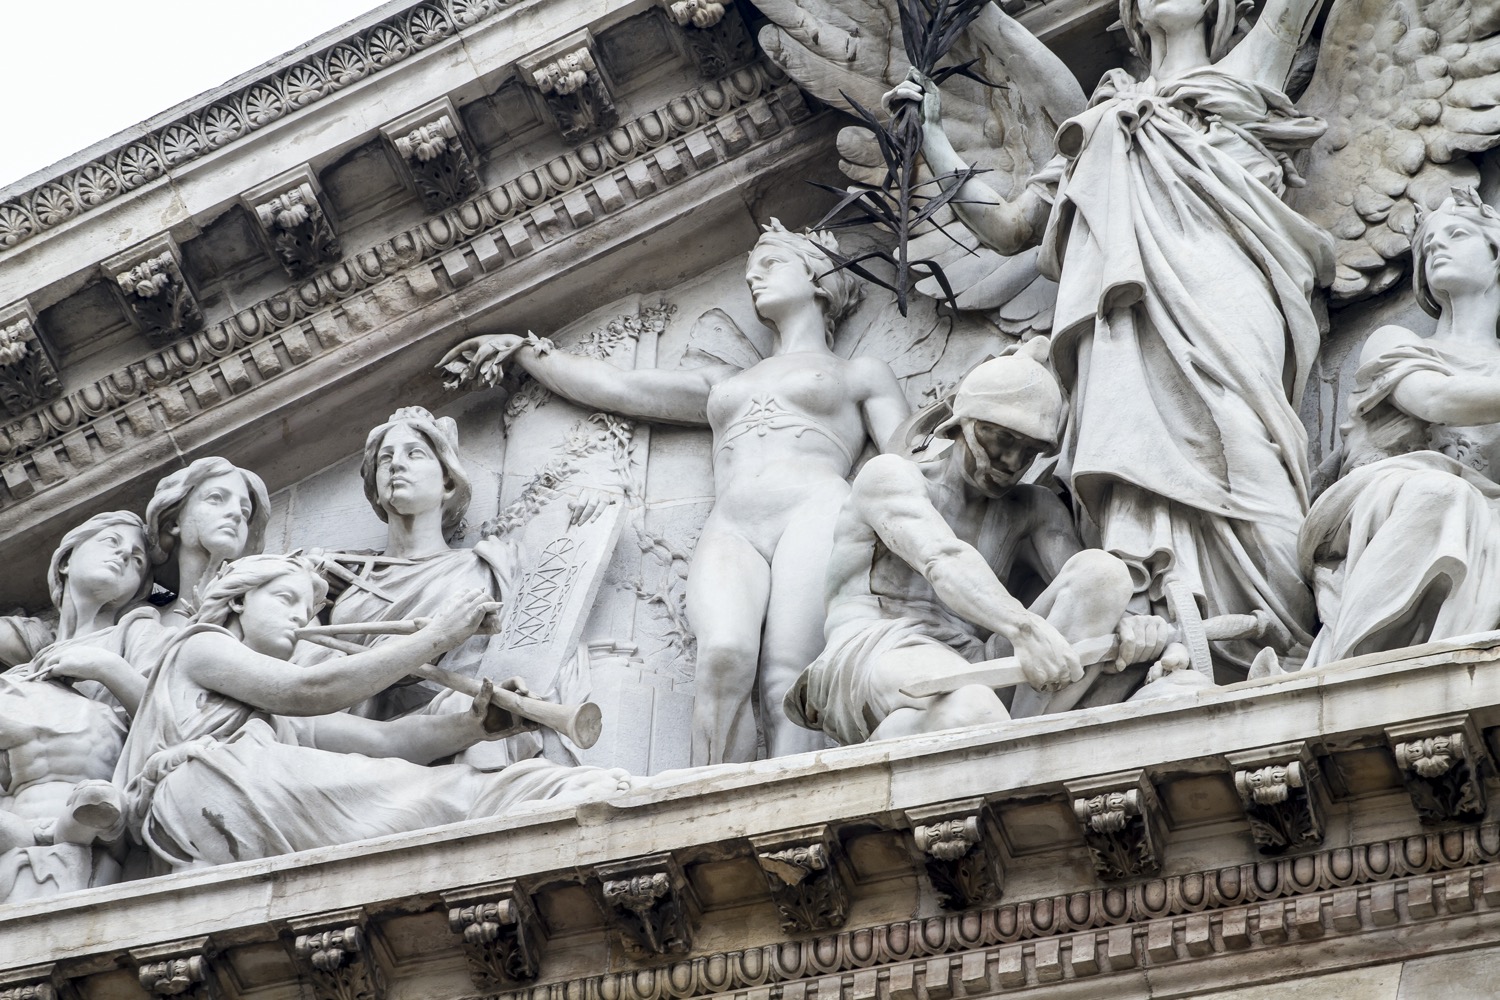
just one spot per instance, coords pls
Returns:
(1265, 54)
(890, 495)
(221, 663)
(674, 396)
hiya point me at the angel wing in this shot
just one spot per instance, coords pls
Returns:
(852, 48)
(1409, 88)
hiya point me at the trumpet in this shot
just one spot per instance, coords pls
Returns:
(580, 723)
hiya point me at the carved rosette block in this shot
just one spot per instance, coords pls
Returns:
(651, 904)
(568, 77)
(502, 934)
(714, 32)
(340, 961)
(1122, 823)
(28, 376)
(1282, 791)
(434, 154)
(177, 969)
(1443, 763)
(294, 221)
(806, 878)
(156, 296)
(960, 851)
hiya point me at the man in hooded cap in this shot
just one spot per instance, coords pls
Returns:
(920, 555)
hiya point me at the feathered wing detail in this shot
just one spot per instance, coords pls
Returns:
(1409, 88)
(834, 48)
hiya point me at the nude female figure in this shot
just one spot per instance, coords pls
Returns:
(786, 433)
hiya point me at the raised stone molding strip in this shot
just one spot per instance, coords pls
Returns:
(141, 161)
(640, 159)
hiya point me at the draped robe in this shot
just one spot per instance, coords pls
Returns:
(1185, 332)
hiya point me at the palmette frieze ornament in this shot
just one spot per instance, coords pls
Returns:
(155, 294)
(28, 377)
(502, 934)
(434, 155)
(1283, 795)
(294, 222)
(568, 76)
(1444, 765)
(340, 964)
(806, 880)
(959, 852)
(652, 905)
(1122, 824)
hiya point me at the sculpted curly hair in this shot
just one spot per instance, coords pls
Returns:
(838, 291)
(1464, 203)
(57, 570)
(237, 578)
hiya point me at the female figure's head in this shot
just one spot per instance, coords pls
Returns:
(212, 510)
(1143, 18)
(263, 600)
(1456, 249)
(102, 563)
(785, 269)
(411, 467)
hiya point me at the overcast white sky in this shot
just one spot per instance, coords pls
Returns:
(77, 71)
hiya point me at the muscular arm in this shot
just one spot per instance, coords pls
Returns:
(1437, 398)
(890, 495)
(220, 663)
(1054, 539)
(1265, 54)
(676, 396)
(885, 405)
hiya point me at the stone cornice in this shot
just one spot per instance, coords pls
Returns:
(715, 123)
(226, 119)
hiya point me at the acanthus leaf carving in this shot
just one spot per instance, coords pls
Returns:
(502, 934)
(960, 853)
(714, 33)
(652, 905)
(340, 961)
(28, 377)
(178, 969)
(294, 222)
(1121, 821)
(36, 982)
(806, 879)
(1282, 792)
(152, 288)
(568, 76)
(1444, 764)
(434, 155)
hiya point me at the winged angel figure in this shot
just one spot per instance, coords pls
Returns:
(1183, 324)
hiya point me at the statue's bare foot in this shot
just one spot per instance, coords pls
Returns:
(95, 811)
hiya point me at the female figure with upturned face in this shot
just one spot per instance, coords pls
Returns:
(786, 434)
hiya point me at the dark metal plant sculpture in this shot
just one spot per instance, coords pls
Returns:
(902, 204)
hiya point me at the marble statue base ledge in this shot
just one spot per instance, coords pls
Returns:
(1303, 812)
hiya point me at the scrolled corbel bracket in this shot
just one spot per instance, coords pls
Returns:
(651, 905)
(714, 33)
(28, 374)
(1284, 794)
(178, 969)
(33, 982)
(157, 298)
(501, 932)
(294, 222)
(1122, 823)
(568, 76)
(1443, 763)
(339, 956)
(434, 155)
(958, 845)
(807, 876)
